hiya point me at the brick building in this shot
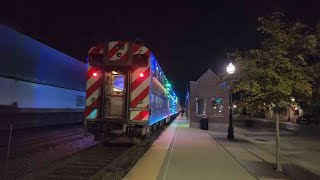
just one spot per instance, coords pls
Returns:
(208, 97)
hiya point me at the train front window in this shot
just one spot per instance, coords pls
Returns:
(118, 83)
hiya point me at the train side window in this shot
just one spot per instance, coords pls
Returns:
(80, 100)
(157, 102)
(156, 73)
(162, 80)
(118, 83)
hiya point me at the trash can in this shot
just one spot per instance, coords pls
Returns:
(248, 123)
(204, 123)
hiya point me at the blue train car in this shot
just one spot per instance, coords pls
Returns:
(39, 85)
(163, 100)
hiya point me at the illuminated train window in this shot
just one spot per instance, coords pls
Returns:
(118, 83)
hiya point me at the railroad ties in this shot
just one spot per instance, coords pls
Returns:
(81, 165)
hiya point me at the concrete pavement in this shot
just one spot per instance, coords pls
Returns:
(257, 161)
(258, 123)
(300, 153)
(300, 143)
(187, 153)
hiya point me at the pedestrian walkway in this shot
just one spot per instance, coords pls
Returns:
(183, 153)
(257, 161)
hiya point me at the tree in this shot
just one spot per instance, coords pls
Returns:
(280, 68)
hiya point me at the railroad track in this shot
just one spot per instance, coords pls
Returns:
(71, 158)
(81, 165)
(29, 140)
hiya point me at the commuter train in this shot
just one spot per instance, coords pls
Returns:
(39, 85)
(127, 92)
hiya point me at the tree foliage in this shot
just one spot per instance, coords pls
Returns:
(282, 67)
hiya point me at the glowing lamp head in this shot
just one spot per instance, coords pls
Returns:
(230, 68)
(141, 75)
(95, 74)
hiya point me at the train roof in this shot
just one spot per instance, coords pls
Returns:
(24, 58)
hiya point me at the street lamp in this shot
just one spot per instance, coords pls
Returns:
(292, 100)
(230, 70)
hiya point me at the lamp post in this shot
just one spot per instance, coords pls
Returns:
(230, 70)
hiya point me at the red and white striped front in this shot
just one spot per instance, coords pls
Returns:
(98, 49)
(118, 50)
(93, 87)
(93, 93)
(140, 88)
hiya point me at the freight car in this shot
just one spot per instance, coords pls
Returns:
(39, 85)
(127, 92)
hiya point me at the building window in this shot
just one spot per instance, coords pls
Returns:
(217, 107)
(200, 106)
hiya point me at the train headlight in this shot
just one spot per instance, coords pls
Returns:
(95, 74)
(141, 75)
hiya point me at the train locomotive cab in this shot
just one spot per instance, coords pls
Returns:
(119, 90)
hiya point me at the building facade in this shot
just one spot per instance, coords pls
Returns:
(291, 113)
(208, 97)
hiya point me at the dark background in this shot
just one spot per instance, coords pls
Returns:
(187, 36)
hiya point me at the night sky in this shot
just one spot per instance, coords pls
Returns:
(187, 37)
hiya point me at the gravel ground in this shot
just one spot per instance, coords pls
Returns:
(81, 165)
(35, 148)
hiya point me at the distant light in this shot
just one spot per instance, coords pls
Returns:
(141, 75)
(95, 74)
(234, 106)
(114, 72)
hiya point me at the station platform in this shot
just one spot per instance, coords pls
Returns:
(183, 153)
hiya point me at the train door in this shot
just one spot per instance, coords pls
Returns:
(115, 92)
